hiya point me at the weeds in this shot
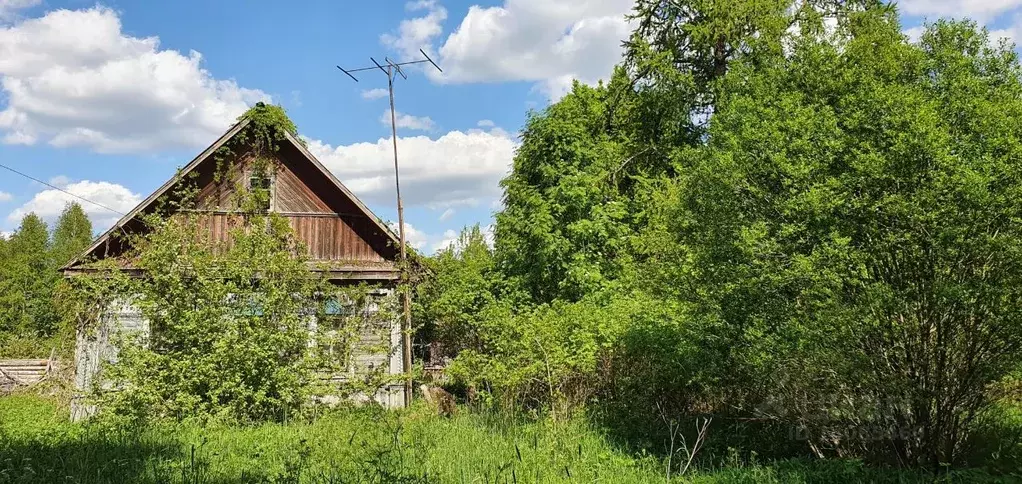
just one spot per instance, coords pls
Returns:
(38, 445)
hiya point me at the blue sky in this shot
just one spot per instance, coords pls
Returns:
(106, 100)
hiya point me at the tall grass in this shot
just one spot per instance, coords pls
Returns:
(38, 445)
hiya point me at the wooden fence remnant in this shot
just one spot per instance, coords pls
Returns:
(16, 373)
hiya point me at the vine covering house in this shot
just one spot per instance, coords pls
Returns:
(262, 157)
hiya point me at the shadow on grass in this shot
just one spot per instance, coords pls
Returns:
(90, 457)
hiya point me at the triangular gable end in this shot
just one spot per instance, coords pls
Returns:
(329, 188)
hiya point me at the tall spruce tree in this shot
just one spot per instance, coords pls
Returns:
(72, 234)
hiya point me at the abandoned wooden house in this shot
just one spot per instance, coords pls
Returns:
(343, 237)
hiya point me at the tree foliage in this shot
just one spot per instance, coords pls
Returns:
(785, 213)
(32, 313)
(849, 227)
(227, 324)
(463, 281)
(28, 280)
(71, 235)
(570, 202)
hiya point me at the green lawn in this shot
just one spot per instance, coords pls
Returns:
(37, 444)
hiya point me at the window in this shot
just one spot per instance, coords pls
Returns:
(259, 187)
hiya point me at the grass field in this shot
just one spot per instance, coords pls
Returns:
(38, 445)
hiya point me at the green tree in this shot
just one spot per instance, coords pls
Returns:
(580, 179)
(847, 236)
(28, 281)
(460, 283)
(568, 202)
(72, 234)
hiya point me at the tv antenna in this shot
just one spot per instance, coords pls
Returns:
(391, 69)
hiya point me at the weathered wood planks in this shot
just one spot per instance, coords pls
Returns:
(15, 373)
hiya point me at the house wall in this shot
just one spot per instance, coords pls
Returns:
(335, 231)
(97, 347)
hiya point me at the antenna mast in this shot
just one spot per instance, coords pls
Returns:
(390, 70)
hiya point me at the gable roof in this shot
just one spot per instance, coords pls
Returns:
(203, 156)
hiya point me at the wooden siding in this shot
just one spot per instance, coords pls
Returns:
(328, 237)
(335, 237)
(330, 233)
(222, 195)
(291, 195)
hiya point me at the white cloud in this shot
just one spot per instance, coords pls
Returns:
(447, 214)
(458, 168)
(543, 41)
(450, 238)
(981, 10)
(9, 8)
(5, 234)
(1013, 31)
(407, 121)
(414, 237)
(914, 33)
(49, 203)
(420, 240)
(374, 93)
(59, 181)
(73, 78)
(417, 33)
(488, 235)
(485, 123)
(5, 197)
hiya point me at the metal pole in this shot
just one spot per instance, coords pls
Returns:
(406, 303)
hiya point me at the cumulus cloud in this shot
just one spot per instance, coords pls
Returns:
(914, 33)
(9, 8)
(458, 168)
(449, 239)
(375, 93)
(418, 32)
(74, 78)
(59, 181)
(1006, 14)
(48, 204)
(414, 237)
(452, 239)
(430, 243)
(980, 10)
(407, 121)
(5, 197)
(550, 43)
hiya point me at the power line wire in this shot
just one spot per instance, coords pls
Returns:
(100, 205)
